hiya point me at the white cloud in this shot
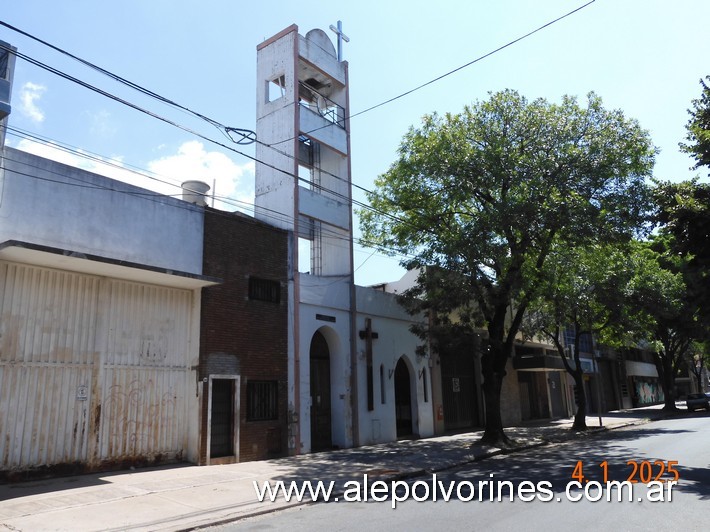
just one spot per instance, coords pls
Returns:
(234, 183)
(228, 179)
(112, 168)
(30, 94)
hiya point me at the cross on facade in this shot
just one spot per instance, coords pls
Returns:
(341, 37)
(369, 336)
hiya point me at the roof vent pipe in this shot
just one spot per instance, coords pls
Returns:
(195, 192)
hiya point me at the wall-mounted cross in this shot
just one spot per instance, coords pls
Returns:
(369, 336)
(341, 37)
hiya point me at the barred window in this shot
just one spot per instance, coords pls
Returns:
(262, 400)
(264, 290)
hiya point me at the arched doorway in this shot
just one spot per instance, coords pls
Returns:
(403, 399)
(321, 438)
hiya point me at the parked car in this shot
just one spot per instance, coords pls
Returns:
(697, 401)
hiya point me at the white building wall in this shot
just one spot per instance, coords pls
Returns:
(99, 328)
(323, 299)
(275, 190)
(52, 204)
(337, 334)
(391, 323)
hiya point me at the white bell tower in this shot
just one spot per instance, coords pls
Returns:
(303, 177)
(303, 185)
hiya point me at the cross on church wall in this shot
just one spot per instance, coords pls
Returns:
(368, 335)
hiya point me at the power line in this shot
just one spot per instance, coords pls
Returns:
(438, 78)
(247, 135)
(347, 198)
(156, 196)
(102, 92)
(84, 154)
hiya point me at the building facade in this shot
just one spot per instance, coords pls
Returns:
(243, 340)
(337, 355)
(99, 302)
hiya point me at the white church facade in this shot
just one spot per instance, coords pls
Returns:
(355, 377)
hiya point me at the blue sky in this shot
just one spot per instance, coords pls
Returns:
(642, 56)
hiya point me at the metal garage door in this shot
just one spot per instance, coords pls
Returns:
(91, 369)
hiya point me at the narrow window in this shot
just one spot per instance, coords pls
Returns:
(426, 390)
(262, 400)
(382, 384)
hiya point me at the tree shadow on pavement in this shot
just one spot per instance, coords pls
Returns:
(453, 459)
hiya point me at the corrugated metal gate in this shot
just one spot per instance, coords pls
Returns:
(91, 369)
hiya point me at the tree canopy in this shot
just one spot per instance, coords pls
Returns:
(698, 128)
(683, 214)
(486, 193)
(665, 314)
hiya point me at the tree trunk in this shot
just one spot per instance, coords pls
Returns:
(580, 418)
(698, 377)
(493, 433)
(664, 366)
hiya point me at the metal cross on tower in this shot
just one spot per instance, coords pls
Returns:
(341, 37)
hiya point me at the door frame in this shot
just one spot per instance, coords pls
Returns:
(237, 417)
(329, 360)
(413, 399)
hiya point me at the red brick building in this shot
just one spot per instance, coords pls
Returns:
(243, 340)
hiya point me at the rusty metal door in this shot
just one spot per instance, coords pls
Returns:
(145, 373)
(47, 363)
(91, 369)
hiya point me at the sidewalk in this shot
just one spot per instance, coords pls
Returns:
(184, 497)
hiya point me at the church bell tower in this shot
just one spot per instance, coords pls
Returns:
(303, 185)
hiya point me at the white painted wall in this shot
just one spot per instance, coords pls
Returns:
(143, 342)
(52, 204)
(278, 191)
(337, 334)
(276, 125)
(391, 323)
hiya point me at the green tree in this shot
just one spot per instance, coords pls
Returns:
(683, 215)
(664, 316)
(698, 128)
(584, 290)
(486, 194)
(676, 310)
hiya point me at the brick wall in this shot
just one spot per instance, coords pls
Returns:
(243, 336)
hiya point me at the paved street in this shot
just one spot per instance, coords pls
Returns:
(683, 440)
(186, 497)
